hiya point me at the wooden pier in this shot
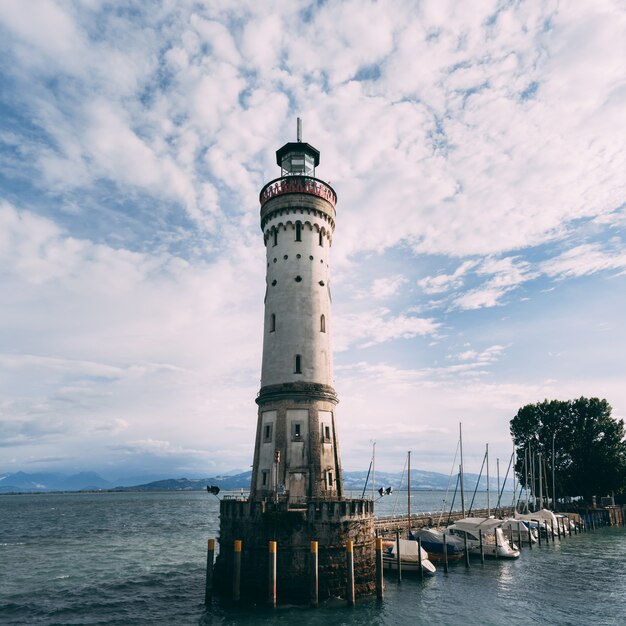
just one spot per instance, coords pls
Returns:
(389, 524)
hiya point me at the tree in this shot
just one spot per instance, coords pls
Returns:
(589, 446)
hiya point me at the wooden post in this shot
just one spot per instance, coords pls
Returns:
(380, 585)
(313, 574)
(552, 531)
(519, 534)
(350, 571)
(482, 547)
(495, 536)
(272, 574)
(398, 559)
(539, 532)
(445, 554)
(419, 557)
(210, 554)
(466, 550)
(237, 570)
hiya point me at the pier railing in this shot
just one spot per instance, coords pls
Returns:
(392, 523)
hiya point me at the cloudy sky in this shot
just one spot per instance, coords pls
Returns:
(479, 261)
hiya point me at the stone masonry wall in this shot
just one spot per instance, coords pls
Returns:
(332, 524)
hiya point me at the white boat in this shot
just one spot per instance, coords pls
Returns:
(520, 530)
(491, 528)
(409, 557)
(547, 520)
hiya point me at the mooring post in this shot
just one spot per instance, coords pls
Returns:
(539, 531)
(445, 554)
(482, 547)
(419, 557)
(380, 586)
(519, 534)
(398, 559)
(313, 574)
(210, 555)
(350, 572)
(569, 527)
(237, 570)
(466, 550)
(272, 574)
(495, 536)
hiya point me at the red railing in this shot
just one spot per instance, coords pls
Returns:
(297, 184)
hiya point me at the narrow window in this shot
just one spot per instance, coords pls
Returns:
(321, 239)
(298, 231)
(327, 432)
(275, 233)
(330, 480)
(264, 474)
(322, 324)
(267, 433)
(273, 322)
(296, 431)
(298, 364)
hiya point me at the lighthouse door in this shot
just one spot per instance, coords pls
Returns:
(297, 486)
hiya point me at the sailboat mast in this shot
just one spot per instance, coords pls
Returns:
(488, 485)
(540, 468)
(373, 468)
(408, 491)
(526, 477)
(461, 469)
(498, 474)
(514, 482)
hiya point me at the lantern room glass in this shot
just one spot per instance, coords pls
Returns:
(298, 164)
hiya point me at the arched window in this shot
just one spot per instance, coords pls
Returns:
(323, 324)
(275, 235)
(272, 322)
(321, 238)
(298, 369)
(298, 231)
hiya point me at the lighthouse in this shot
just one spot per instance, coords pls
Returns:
(296, 449)
(296, 496)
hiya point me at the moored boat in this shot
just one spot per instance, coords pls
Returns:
(494, 543)
(432, 540)
(409, 557)
(520, 530)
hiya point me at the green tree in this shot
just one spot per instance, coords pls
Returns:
(589, 447)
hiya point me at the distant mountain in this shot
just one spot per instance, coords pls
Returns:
(420, 479)
(227, 483)
(354, 482)
(48, 481)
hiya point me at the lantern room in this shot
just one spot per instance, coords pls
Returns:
(297, 158)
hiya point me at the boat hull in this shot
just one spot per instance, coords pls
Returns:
(408, 567)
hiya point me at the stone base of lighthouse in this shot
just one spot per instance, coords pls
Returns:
(330, 523)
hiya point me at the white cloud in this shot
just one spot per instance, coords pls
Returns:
(586, 259)
(445, 282)
(369, 328)
(383, 288)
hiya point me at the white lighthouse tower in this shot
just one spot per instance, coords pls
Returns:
(296, 495)
(296, 451)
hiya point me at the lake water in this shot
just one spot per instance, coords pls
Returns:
(139, 558)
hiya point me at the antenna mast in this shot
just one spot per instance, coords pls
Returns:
(299, 130)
